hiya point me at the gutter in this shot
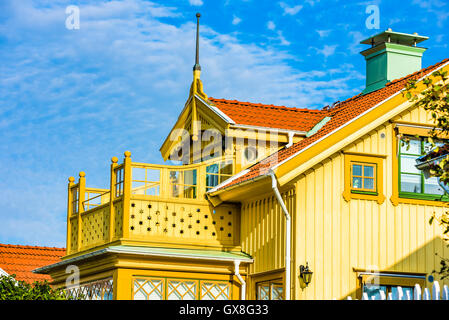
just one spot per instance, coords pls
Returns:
(288, 235)
(117, 250)
(237, 273)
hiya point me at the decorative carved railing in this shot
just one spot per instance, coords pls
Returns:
(159, 204)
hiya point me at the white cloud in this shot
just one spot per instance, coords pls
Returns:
(290, 10)
(282, 39)
(323, 33)
(196, 2)
(271, 25)
(73, 99)
(327, 50)
(236, 20)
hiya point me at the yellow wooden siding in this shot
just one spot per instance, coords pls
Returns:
(263, 231)
(334, 236)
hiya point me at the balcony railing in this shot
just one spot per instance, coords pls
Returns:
(152, 203)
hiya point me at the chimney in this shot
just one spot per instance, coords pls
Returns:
(392, 55)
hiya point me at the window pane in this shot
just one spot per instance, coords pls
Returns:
(431, 186)
(410, 183)
(226, 168)
(138, 174)
(413, 148)
(428, 146)
(153, 174)
(368, 171)
(374, 291)
(190, 177)
(138, 187)
(212, 168)
(356, 170)
(263, 292)
(357, 183)
(211, 180)
(408, 164)
(369, 183)
(395, 292)
(223, 178)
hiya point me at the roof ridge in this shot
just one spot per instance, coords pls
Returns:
(30, 247)
(339, 118)
(262, 105)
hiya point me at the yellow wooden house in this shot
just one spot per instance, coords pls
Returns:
(264, 194)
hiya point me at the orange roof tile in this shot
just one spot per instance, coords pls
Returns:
(21, 260)
(340, 115)
(270, 116)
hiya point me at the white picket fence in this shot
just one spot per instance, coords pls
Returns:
(418, 294)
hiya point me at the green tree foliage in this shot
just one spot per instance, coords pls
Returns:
(435, 100)
(12, 289)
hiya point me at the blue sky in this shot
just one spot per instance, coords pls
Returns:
(72, 99)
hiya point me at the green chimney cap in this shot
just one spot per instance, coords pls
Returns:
(395, 37)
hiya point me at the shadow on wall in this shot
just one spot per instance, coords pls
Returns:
(426, 259)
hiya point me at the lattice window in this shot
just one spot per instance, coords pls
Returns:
(263, 292)
(215, 291)
(148, 289)
(97, 290)
(119, 177)
(182, 290)
(277, 292)
(270, 290)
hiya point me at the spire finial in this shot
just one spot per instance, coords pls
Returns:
(197, 56)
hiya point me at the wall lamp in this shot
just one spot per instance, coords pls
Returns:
(305, 274)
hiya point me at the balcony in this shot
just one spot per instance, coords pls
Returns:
(156, 205)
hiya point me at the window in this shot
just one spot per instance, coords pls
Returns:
(146, 181)
(363, 177)
(180, 289)
(96, 290)
(373, 283)
(217, 173)
(412, 183)
(183, 184)
(119, 182)
(270, 290)
(75, 200)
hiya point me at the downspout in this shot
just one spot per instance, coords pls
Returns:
(237, 273)
(288, 235)
(290, 139)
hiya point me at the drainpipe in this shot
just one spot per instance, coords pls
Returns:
(290, 139)
(237, 273)
(288, 235)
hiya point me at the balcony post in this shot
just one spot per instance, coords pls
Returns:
(81, 196)
(127, 179)
(69, 214)
(114, 161)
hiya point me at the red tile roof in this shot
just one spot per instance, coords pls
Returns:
(341, 114)
(270, 116)
(21, 260)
